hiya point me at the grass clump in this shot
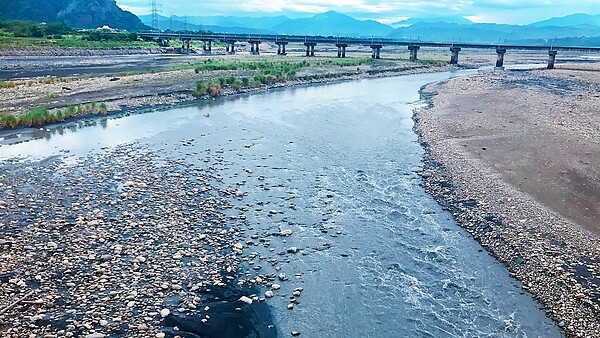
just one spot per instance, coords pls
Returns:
(8, 121)
(38, 117)
(7, 84)
(102, 109)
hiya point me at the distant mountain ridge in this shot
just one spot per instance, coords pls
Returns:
(75, 13)
(329, 23)
(570, 20)
(441, 19)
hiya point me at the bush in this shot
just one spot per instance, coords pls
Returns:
(8, 121)
(201, 87)
(36, 117)
(102, 109)
(214, 90)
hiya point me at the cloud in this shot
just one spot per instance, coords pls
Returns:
(500, 11)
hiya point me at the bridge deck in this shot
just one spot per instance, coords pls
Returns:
(355, 41)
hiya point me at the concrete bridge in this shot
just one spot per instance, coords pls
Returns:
(376, 44)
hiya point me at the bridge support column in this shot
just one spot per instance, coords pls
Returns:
(232, 48)
(500, 60)
(310, 48)
(376, 51)
(413, 52)
(341, 49)
(206, 46)
(454, 56)
(281, 47)
(254, 49)
(551, 58)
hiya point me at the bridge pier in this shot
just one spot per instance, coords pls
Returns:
(413, 52)
(454, 56)
(185, 46)
(551, 58)
(341, 49)
(206, 46)
(376, 51)
(230, 46)
(310, 48)
(254, 49)
(500, 60)
(281, 47)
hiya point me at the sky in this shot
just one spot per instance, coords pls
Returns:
(384, 11)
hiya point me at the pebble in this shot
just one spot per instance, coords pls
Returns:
(246, 300)
(269, 294)
(165, 313)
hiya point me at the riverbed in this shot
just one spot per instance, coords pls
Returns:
(331, 207)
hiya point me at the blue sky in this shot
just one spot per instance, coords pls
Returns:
(385, 11)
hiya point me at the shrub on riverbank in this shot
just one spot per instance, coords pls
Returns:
(8, 121)
(40, 116)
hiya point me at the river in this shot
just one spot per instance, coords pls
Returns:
(338, 165)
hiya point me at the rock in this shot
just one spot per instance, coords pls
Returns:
(276, 286)
(165, 313)
(296, 293)
(290, 306)
(245, 299)
(295, 333)
(285, 232)
(142, 327)
(95, 335)
(282, 277)
(269, 294)
(293, 250)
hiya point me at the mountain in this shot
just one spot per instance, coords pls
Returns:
(490, 33)
(332, 23)
(265, 22)
(440, 19)
(195, 24)
(570, 20)
(75, 13)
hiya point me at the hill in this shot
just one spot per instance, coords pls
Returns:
(494, 33)
(332, 23)
(570, 20)
(75, 13)
(441, 19)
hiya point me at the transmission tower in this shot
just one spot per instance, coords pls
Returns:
(155, 24)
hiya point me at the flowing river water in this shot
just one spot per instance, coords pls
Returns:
(377, 256)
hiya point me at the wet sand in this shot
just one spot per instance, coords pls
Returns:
(516, 155)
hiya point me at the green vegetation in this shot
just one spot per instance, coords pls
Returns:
(8, 121)
(33, 29)
(431, 62)
(38, 117)
(34, 34)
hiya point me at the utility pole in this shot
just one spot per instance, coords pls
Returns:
(155, 19)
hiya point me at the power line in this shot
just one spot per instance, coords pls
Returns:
(155, 10)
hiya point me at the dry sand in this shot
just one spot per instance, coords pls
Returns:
(526, 147)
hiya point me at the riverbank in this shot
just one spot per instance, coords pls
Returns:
(521, 175)
(176, 81)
